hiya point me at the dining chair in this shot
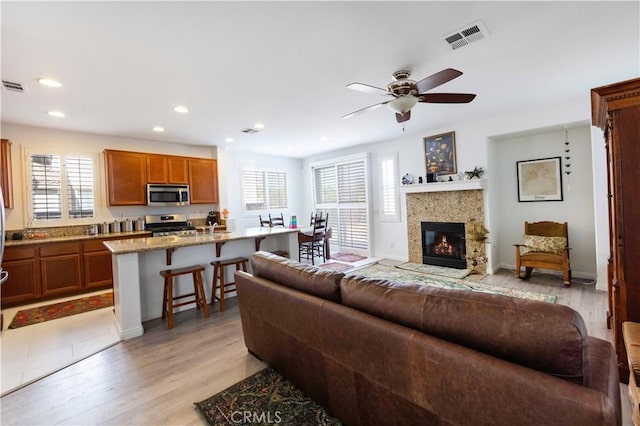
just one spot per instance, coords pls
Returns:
(311, 244)
(277, 220)
(264, 222)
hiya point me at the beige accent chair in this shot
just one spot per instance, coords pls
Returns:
(546, 245)
(631, 335)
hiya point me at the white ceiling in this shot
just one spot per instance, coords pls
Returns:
(124, 66)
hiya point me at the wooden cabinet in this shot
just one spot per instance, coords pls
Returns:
(47, 270)
(97, 265)
(23, 284)
(203, 181)
(178, 169)
(126, 177)
(157, 169)
(129, 172)
(616, 110)
(61, 268)
(6, 178)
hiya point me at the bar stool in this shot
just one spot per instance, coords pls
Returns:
(168, 299)
(218, 277)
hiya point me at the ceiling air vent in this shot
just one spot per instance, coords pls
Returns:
(14, 86)
(250, 130)
(468, 34)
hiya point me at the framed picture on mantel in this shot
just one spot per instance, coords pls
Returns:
(540, 180)
(440, 153)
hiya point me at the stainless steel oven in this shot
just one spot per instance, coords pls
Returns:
(167, 195)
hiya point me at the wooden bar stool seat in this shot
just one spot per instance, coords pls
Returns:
(169, 299)
(219, 278)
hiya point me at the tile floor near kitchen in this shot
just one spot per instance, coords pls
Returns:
(32, 352)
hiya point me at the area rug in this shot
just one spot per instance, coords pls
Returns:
(337, 267)
(435, 270)
(394, 274)
(264, 398)
(347, 257)
(60, 310)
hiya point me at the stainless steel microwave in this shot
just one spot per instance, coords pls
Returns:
(167, 195)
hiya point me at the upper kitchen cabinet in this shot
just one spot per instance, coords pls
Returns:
(203, 181)
(167, 169)
(126, 177)
(178, 168)
(6, 180)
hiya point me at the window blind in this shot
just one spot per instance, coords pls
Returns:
(264, 190)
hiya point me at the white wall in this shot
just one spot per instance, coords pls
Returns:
(576, 208)
(231, 163)
(473, 147)
(76, 142)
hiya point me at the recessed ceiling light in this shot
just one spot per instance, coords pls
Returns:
(49, 82)
(258, 126)
(181, 109)
(58, 114)
(228, 139)
(324, 139)
(158, 129)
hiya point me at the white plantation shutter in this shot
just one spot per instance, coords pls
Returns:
(389, 195)
(341, 192)
(79, 186)
(46, 186)
(62, 188)
(263, 190)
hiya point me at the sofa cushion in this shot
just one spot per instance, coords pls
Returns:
(310, 279)
(539, 335)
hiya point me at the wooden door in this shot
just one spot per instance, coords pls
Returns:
(203, 181)
(126, 177)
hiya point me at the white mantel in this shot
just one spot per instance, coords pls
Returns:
(456, 185)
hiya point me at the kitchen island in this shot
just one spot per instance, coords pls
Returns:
(138, 287)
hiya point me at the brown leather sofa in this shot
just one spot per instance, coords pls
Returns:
(375, 352)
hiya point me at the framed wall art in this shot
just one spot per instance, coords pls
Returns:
(440, 153)
(540, 180)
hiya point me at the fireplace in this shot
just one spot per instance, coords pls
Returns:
(443, 244)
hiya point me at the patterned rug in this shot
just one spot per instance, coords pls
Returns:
(60, 310)
(347, 257)
(435, 270)
(336, 266)
(394, 274)
(264, 398)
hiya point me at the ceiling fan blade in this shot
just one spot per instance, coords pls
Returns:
(366, 88)
(365, 109)
(401, 118)
(435, 80)
(447, 98)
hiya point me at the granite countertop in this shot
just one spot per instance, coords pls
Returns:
(134, 245)
(78, 237)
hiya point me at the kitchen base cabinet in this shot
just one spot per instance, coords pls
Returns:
(23, 284)
(42, 271)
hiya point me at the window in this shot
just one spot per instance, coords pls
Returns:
(264, 190)
(62, 188)
(389, 202)
(341, 192)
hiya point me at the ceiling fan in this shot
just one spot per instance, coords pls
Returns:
(406, 92)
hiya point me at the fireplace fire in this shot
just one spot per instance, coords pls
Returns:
(443, 244)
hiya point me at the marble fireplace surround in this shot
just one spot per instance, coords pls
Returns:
(443, 202)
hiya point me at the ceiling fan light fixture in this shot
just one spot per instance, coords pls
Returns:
(403, 104)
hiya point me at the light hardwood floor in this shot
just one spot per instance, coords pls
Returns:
(155, 379)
